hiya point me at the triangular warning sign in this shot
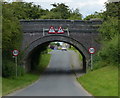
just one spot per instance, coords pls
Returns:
(60, 30)
(51, 30)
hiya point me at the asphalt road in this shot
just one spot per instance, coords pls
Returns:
(57, 80)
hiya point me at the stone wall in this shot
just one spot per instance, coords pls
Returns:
(82, 34)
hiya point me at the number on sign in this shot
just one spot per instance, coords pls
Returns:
(91, 50)
(15, 52)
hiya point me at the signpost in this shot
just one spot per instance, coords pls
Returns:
(91, 51)
(15, 54)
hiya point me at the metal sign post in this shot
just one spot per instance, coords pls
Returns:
(16, 64)
(43, 32)
(91, 51)
(15, 54)
(91, 62)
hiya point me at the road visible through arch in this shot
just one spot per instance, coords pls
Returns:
(57, 80)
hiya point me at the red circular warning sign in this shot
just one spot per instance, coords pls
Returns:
(15, 52)
(91, 50)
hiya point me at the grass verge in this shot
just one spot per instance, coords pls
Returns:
(74, 49)
(0, 86)
(44, 61)
(101, 82)
(49, 50)
(10, 84)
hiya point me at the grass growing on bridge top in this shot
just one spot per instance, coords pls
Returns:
(101, 82)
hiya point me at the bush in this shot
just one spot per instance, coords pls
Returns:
(9, 69)
(99, 64)
(108, 54)
(20, 71)
(109, 29)
(43, 62)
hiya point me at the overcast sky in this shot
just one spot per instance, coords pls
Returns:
(86, 7)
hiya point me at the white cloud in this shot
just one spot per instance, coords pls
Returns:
(49, 1)
(88, 6)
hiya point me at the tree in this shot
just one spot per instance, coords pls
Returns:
(112, 9)
(109, 29)
(95, 15)
(23, 10)
(11, 30)
(75, 15)
(61, 11)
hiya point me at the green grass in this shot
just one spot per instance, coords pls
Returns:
(74, 49)
(101, 82)
(119, 80)
(10, 85)
(0, 87)
(44, 61)
(49, 50)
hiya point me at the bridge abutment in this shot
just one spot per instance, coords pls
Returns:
(82, 35)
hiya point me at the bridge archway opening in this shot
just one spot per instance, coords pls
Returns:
(34, 49)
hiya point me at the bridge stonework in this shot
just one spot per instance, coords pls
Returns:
(81, 34)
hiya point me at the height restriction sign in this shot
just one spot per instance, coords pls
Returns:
(15, 52)
(91, 50)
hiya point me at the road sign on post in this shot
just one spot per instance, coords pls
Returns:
(51, 30)
(91, 51)
(15, 53)
(60, 30)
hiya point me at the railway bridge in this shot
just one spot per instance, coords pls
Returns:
(81, 34)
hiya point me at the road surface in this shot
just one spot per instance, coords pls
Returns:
(57, 80)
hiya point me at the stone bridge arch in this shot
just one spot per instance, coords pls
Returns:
(51, 38)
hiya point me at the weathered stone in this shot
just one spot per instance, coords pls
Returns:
(82, 35)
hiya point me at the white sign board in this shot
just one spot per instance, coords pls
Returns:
(91, 50)
(15, 52)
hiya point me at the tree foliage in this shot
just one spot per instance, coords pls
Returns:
(12, 35)
(109, 29)
(10, 31)
(110, 51)
(61, 10)
(75, 15)
(112, 9)
(109, 32)
(95, 15)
